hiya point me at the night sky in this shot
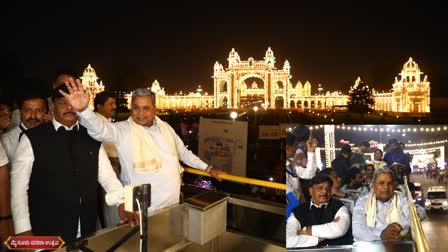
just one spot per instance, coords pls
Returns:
(131, 45)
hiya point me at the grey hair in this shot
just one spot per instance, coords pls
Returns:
(382, 170)
(144, 92)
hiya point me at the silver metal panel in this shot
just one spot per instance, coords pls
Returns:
(167, 231)
(204, 226)
(258, 206)
(164, 231)
(234, 242)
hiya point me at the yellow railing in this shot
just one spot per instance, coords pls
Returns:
(419, 235)
(239, 179)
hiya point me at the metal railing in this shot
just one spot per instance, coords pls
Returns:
(417, 231)
(239, 179)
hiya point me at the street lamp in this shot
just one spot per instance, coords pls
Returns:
(233, 115)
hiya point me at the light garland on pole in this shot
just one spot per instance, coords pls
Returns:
(329, 144)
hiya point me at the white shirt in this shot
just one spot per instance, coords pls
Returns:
(355, 194)
(3, 157)
(329, 230)
(292, 181)
(362, 232)
(15, 119)
(165, 183)
(10, 140)
(21, 173)
(310, 170)
(109, 147)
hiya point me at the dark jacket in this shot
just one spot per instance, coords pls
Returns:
(341, 166)
(308, 216)
(63, 182)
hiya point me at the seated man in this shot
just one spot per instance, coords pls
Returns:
(323, 221)
(369, 169)
(358, 158)
(342, 163)
(382, 214)
(355, 188)
(336, 188)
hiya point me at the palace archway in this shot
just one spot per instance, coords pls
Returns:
(240, 93)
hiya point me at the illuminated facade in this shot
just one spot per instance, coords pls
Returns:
(273, 89)
(90, 82)
(231, 88)
(246, 83)
(409, 94)
(193, 100)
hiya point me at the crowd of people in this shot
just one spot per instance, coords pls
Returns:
(356, 199)
(56, 154)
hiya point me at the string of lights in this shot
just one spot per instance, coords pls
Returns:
(428, 143)
(386, 129)
(413, 145)
(391, 129)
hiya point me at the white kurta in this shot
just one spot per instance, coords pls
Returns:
(22, 167)
(165, 183)
(10, 140)
(109, 147)
(362, 232)
(3, 157)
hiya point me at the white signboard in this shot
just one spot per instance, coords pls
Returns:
(223, 143)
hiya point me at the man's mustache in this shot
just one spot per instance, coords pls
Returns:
(67, 113)
(33, 120)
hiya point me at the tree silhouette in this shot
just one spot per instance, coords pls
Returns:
(360, 97)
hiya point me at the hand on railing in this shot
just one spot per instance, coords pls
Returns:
(239, 179)
(215, 173)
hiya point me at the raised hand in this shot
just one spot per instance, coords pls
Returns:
(78, 97)
(311, 144)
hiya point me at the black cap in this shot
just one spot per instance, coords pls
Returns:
(365, 143)
(346, 148)
(393, 141)
(299, 133)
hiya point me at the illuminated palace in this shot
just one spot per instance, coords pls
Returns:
(198, 99)
(90, 82)
(247, 83)
(409, 94)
